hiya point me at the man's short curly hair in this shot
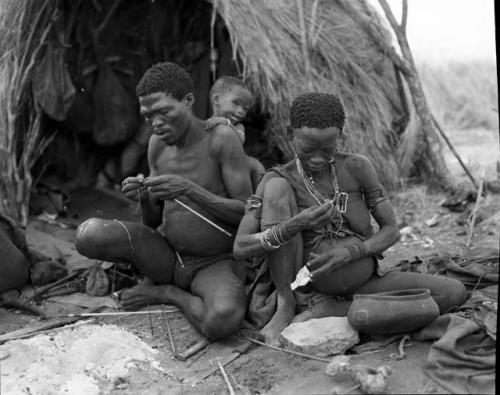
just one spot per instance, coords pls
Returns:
(317, 110)
(165, 77)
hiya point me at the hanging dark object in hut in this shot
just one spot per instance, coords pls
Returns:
(52, 86)
(115, 118)
(80, 115)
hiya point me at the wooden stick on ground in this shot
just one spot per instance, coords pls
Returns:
(200, 354)
(197, 347)
(402, 353)
(287, 351)
(172, 344)
(118, 313)
(40, 329)
(226, 379)
(47, 287)
(474, 212)
(151, 322)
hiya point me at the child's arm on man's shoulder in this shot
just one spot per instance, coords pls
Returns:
(214, 121)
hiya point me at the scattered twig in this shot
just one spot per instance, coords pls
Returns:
(117, 313)
(2, 357)
(202, 352)
(287, 351)
(151, 322)
(196, 348)
(402, 353)
(126, 276)
(47, 287)
(62, 290)
(172, 344)
(44, 328)
(113, 279)
(226, 379)
(474, 212)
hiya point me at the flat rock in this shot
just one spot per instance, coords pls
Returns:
(321, 337)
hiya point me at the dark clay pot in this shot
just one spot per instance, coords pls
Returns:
(392, 312)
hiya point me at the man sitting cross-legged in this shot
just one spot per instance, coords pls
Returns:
(315, 211)
(188, 262)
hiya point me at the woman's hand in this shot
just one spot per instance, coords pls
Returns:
(167, 187)
(328, 261)
(311, 218)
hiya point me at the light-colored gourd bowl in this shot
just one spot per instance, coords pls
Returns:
(392, 312)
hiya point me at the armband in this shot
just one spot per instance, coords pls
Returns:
(374, 196)
(254, 205)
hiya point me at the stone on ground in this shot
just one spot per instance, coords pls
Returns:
(321, 337)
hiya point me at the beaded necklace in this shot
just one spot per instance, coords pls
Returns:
(309, 183)
(339, 199)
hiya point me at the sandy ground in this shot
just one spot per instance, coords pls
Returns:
(262, 370)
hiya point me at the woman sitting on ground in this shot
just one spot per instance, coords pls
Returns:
(315, 211)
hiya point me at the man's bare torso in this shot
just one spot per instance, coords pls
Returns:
(185, 232)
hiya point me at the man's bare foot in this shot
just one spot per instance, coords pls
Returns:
(143, 295)
(281, 319)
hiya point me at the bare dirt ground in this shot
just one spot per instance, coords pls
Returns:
(429, 228)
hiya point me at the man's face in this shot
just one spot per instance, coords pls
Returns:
(315, 147)
(233, 104)
(169, 117)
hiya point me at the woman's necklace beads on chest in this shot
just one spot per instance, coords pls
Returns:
(337, 198)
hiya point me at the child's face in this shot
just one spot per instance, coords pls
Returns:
(233, 104)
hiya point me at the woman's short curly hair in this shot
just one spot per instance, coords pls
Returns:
(165, 77)
(317, 110)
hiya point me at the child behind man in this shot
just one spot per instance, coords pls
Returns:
(231, 100)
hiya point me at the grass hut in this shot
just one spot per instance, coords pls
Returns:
(280, 47)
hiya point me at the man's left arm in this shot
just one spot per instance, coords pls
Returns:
(235, 174)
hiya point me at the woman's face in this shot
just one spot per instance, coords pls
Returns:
(315, 147)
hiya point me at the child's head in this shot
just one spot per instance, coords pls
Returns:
(230, 98)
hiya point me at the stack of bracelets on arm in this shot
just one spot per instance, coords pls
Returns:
(357, 251)
(273, 238)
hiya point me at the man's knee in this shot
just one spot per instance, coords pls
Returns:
(89, 235)
(223, 320)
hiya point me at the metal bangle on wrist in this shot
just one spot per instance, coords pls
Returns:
(274, 237)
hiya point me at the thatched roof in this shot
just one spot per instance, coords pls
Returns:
(285, 47)
(339, 58)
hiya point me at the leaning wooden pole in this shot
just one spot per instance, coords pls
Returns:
(455, 153)
(426, 155)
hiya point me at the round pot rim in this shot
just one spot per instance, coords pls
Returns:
(395, 296)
